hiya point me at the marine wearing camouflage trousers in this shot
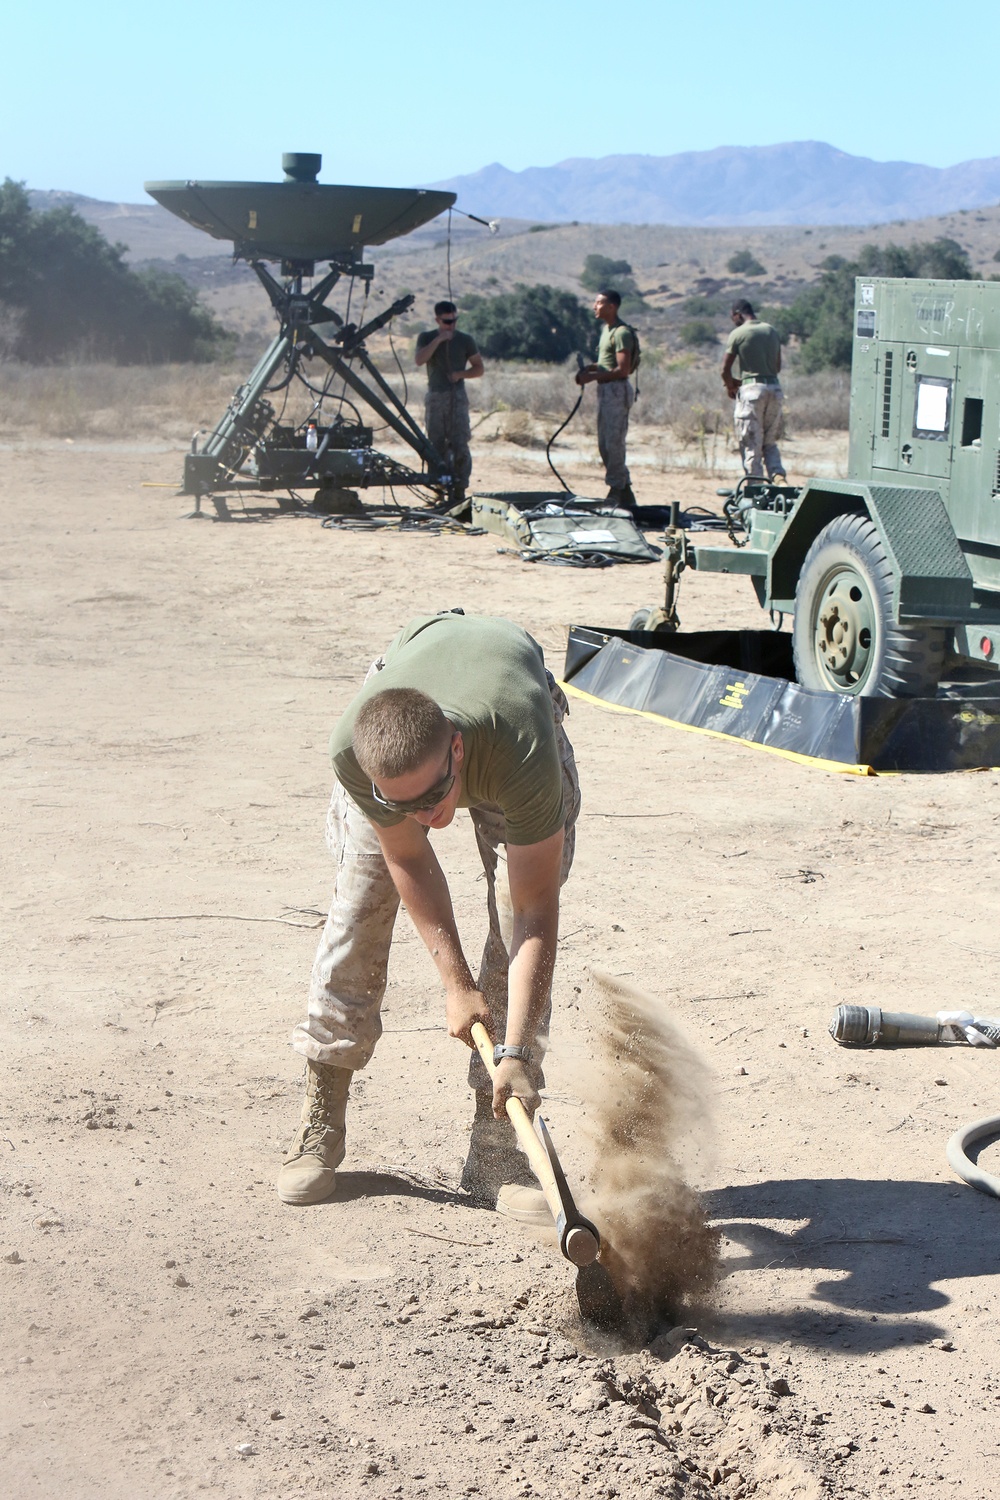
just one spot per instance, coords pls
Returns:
(447, 419)
(757, 418)
(614, 402)
(349, 974)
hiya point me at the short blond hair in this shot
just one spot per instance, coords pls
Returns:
(396, 731)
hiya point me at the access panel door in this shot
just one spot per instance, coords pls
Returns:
(928, 410)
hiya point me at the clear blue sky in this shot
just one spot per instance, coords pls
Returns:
(98, 97)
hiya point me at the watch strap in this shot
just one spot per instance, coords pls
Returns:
(501, 1050)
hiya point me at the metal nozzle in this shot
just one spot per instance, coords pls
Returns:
(867, 1025)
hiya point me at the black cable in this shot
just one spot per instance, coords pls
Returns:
(552, 439)
(392, 346)
(449, 255)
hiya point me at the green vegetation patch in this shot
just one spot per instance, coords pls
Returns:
(531, 322)
(744, 263)
(66, 293)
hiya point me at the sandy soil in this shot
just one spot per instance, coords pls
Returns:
(170, 1329)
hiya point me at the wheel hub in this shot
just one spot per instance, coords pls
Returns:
(845, 630)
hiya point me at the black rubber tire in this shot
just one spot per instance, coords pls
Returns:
(846, 577)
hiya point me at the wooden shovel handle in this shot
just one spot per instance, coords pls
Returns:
(521, 1121)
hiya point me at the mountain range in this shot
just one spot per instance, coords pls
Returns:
(801, 182)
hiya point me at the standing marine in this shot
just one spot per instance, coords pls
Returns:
(451, 358)
(756, 347)
(617, 360)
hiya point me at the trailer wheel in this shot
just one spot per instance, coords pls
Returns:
(638, 620)
(844, 638)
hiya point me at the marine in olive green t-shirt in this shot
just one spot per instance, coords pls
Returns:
(757, 347)
(452, 354)
(488, 677)
(615, 340)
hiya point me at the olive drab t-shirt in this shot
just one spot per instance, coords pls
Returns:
(488, 678)
(757, 347)
(453, 354)
(614, 340)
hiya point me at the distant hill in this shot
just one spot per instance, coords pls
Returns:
(803, 182)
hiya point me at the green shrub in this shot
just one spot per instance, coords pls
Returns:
(600, 272)
(744, 263)
(70, 294)
(531, 322)
(705, 307)
(697, 331)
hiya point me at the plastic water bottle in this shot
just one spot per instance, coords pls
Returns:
(312, 439)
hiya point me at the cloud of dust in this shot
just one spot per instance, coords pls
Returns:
(646, 1095)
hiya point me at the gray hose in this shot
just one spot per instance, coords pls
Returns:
(958, 1158)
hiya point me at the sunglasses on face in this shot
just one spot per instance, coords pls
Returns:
(447, 321)
(433, 796)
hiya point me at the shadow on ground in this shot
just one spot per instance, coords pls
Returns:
(884, 1245)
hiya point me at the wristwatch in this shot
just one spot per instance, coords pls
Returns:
(500, 1051)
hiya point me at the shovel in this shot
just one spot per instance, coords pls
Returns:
(579, 1240)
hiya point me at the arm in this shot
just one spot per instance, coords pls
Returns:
(472, 371)
(533, 871)
(420, 881)
(427, 351)
(622, 370)
(732, 386)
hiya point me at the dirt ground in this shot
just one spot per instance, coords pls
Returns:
(169, 1329)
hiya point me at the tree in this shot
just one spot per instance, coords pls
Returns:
(531, 322)
(744, 263)
(71, 295)
(601, 273)
(697, 331)
(822, 316)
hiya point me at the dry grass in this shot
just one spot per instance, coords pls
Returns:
(170, 402)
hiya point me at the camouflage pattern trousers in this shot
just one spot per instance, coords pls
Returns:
(349, 973)
(446, 415)
(757, 418)
(614, 402)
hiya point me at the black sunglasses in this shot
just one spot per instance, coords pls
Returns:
(427, 800)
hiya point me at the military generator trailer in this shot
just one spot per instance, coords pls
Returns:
(893, 574)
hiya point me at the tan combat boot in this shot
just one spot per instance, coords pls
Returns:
(496, 1172)
(310, 1168)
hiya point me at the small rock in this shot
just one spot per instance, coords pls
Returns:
(310, 1312)
(246, 1450)
(586, 1399)
(741, 1072)
(181, 1280)
(945, 1345)
(886, 1402)
(666, 1344)
(531, 1436)
(170, 1264)
(779, 1386)
(277, 1416)
(942, 1083)
(373, 1468)
(345, 1364)
(14, 1258)
(930, 1410)
(615, 927)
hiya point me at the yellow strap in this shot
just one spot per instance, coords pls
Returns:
(815, 762)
